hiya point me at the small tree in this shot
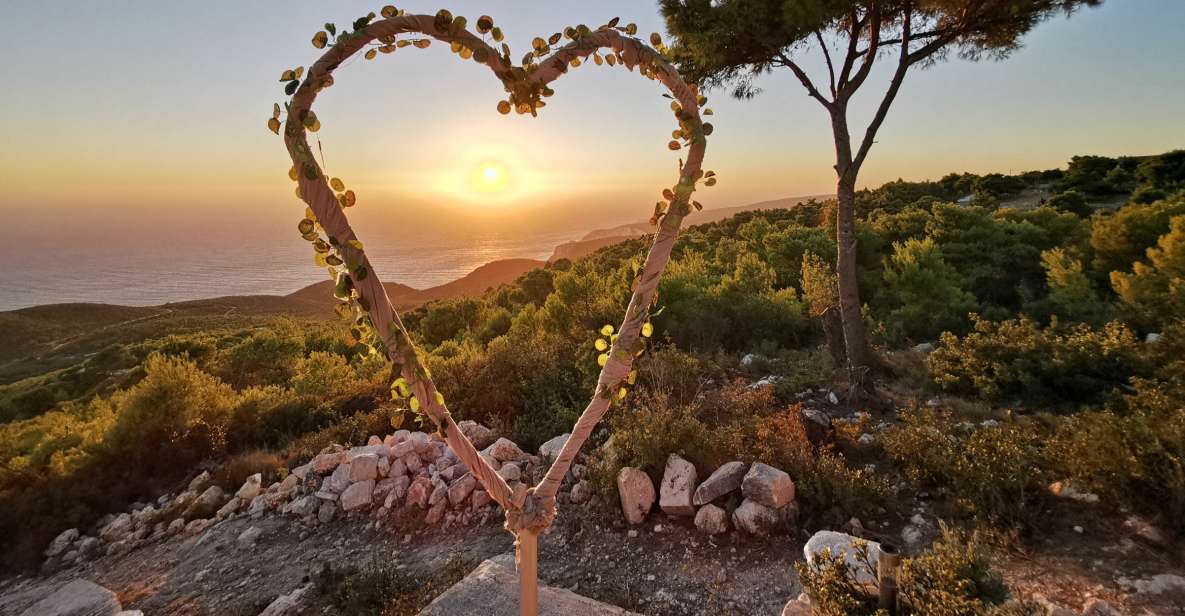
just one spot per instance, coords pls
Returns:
(732, 41)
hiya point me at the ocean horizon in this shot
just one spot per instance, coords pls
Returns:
(141, 275)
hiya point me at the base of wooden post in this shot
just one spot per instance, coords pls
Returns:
(527, 562)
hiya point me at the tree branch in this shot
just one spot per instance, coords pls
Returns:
(830, 67)
(806, 80)
(882, 109)
(853, 41)
(874, 35)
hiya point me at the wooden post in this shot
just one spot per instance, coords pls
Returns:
(886, 573)
(527, 561)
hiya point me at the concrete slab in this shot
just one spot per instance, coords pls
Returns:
(492, 590)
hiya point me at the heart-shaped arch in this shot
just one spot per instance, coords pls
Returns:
(531, 510)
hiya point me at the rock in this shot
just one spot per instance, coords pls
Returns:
(358, 495)
(326, 512)
(251, 487)
(291, 604)
(1160, 584)
(249, 537)
(229, 508)
(117, 529)
(551, 449)
(419, 491)
(412, 462)
(403, 448)
(398, 469)
(377, 449)
(302, 471)
(303, 506)
(461, 489)
(494, 464)
(1064, 489)
(1147, 532)
(62, 542)
(177, 526)
(1098, 607)
(637, 494)
(339, 480)
(866, 439)
(748, 360)
(504, 450)
(678, 483)
(1153, 337)
(439, 493)
(479, 435)
(420, 442)
(711, 519)
(206, 505)
(288, 486)
(724, 480)
(842, 544)
(364, 467)
(832, 398)
(199, 483)
(817, 425)
(325, 463)
(435, 513)
(198, 526)
(756, 518)
(768, 486)
(797, 607)
(510, 472)
(580, 492)
(1049, 608)
(77, 598)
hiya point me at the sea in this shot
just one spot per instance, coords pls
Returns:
(133, 274)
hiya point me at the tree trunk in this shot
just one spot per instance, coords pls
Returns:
(851, 317)
(833, 332)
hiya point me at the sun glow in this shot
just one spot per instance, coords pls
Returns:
(490, 177)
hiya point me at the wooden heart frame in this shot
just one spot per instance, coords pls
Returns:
(528, 510)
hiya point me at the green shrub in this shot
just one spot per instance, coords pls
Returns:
(923, 296)
(267, 357)
(381, 587)
(993, 473)
(1072, 202)
(322, 375)
(1133, 454)
(1057, 364)
(176, 416)
(953, 578)
(1122, 239)
(1155, 290)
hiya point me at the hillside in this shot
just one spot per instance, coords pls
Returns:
(634, 229)
(486, 277)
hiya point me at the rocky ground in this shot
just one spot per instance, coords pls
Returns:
(239, 560)
(664, 567)
(661, 568)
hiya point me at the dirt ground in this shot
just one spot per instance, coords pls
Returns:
(664, 567)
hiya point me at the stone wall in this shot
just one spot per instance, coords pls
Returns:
(403, 478)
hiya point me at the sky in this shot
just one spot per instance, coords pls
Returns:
(143, 122)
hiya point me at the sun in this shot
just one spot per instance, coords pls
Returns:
(490, 177)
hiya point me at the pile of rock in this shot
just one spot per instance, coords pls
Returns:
(405, 475)
(768, 504)
(192, 510)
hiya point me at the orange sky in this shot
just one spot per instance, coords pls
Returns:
(165, 125)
